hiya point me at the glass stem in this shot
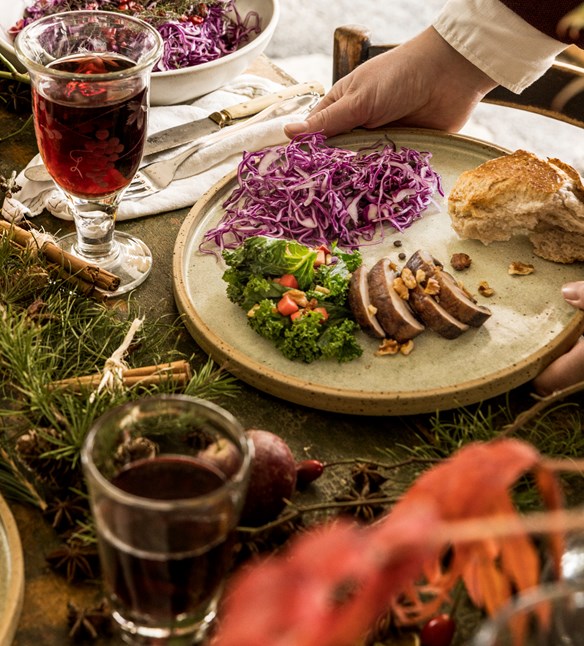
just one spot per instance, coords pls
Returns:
(95, 224)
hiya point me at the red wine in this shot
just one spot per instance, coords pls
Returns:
(91, 133)
(158, 565)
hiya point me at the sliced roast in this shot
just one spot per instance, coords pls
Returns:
(360, 303)
(393, 312)
(434, 315)
(451, 296)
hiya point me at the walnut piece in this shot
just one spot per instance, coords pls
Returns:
(460, 261)
(420, 276)
(432, 287)
(392, 347)
(408, 277)
(401, 288)
(387, 346)
(517, 268)
(298, 296)
(485, 289)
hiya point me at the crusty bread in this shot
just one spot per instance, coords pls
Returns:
(522, 193)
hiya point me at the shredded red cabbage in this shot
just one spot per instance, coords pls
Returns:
(205, 33)
(317, 194)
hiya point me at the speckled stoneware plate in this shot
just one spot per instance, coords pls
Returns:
(11, 575)
(531, 324)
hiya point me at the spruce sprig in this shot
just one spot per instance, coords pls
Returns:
(49, 331)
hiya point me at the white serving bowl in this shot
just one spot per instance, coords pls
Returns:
(183, 85)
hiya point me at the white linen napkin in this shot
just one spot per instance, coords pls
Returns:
(194, 177)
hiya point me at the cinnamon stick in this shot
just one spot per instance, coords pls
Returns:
(87, 272)
(179, 372)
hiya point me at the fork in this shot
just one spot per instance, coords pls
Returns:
(158, 175)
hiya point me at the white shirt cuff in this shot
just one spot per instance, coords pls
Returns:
(500, 43)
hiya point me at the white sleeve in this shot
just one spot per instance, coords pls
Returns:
(495, 39)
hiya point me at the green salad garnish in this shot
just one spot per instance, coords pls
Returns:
(295, 296)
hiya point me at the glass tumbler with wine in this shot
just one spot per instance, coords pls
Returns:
(167, 477)
(90, 76)
(546, 615)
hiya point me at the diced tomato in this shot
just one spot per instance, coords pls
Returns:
(322, 311)
(287, 280)
(296, 315)
(287, 306)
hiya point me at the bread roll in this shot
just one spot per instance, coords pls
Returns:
(522, 193)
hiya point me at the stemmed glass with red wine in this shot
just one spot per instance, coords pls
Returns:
(90, 76)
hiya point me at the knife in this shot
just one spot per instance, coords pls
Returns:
(189, 132)
(193, 130)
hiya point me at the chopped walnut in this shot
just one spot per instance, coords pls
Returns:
(460, 261)
(432, 287)
(322, 290)
(408, 277)
(420, 276)
(485, 289)
(518, 268)
(387, 346)
(407, 347)
(298, 296)
(401, 288)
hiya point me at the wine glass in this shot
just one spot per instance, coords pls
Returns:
(167, 477)
(547, 615)
(90, 76)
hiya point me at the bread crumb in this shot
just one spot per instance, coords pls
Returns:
(518, 268)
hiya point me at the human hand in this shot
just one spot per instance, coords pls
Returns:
(569, 368)
(424, 83)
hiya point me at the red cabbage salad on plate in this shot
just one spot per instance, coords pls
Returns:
(317, 194)
(193, 32)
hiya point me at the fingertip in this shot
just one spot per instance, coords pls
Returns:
(574, 293)
(293, 129)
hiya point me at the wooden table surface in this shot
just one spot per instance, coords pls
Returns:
(309, 432)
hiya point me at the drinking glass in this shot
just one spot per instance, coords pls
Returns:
(167, 477)
(90, 76)
(549, 615)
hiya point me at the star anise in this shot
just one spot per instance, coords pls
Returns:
(89, 622)
(367, 478)
(362, 505)
(15, 96)
(75, 560)
(64, 513)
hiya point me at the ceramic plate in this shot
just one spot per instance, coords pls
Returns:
(11, 574)
(530, 323)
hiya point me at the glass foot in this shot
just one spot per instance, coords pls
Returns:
(131, 259)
